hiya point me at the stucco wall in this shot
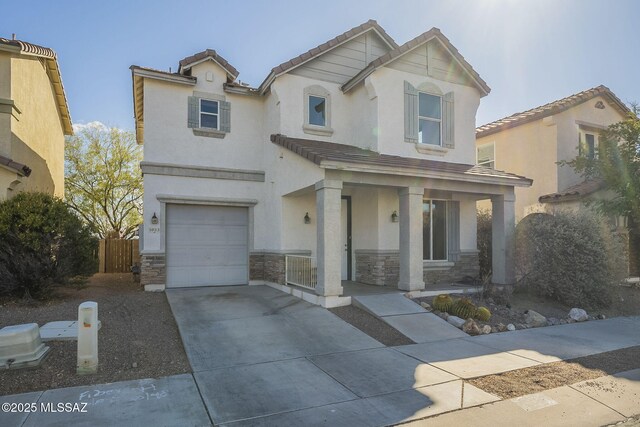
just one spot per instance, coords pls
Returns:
(37, 138)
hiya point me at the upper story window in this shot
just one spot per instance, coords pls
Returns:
(317, 111)
(486, 155)
(588, 144)
(209, 114)
(429, 119)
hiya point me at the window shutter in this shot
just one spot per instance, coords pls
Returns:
(410, 113)
(448, 123)
(453, 221)
(225, 116)
(192, 112)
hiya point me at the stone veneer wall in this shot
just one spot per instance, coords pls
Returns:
(153, 269)
(382, 268)
(374, 267)
(270, 266)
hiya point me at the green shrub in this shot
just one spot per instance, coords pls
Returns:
(42, 244)
(484, 244)
(570, 256)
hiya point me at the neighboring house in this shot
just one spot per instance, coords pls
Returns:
(34, 118)
(532, 142)
(352, 161)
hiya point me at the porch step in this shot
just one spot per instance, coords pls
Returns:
(407, 317)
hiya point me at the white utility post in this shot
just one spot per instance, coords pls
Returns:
(87, 338)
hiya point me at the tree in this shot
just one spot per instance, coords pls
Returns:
(103, 182)
(617, 164)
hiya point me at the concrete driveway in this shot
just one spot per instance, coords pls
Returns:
(262, 357)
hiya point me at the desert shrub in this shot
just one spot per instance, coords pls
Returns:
(42, 244)
(484, 244)
(570, 256)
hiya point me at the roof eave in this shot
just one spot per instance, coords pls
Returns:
(161, 75)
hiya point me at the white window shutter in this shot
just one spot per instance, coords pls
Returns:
(448, 121)
(410, 113)
(225, 116)
(193, 112)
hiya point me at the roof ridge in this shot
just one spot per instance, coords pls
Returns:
(549, 108)
(208, 53)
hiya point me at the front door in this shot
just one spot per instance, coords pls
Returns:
(345, 223)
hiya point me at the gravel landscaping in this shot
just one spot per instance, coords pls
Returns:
(372, 326)
(138, 339)
(551, 375)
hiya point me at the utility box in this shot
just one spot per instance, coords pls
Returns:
(88, 338)
(21, 346)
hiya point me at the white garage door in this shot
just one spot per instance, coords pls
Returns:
(206, 245)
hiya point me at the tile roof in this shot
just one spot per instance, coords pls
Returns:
(208, 53)
(575, 192)
(18, 167)
(408, 46)
(53, 71)
(321, 151)
(550, 109)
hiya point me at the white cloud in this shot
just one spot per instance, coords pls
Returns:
(79, 127)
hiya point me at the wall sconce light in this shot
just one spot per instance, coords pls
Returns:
(307, 218)
(394, 216)
(154, 219)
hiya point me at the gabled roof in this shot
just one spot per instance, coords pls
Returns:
(18, 168)
(575, 192)
(370, 25)
(53, 71)
(423, 38)
(552, 108)
(322, 153)
(207, 54)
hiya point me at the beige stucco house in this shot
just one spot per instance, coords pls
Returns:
(531, 143)
(354, 161)
(34, 119)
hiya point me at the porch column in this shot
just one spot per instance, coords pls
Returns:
(503, 228)
(329, 253)
(411, 262)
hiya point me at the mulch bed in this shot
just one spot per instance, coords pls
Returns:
(139, 337)
(372, 326)
(552, 375)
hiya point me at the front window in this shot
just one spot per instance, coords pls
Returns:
(486, 155)
(429, 119)
(434, 230)
(317, 111)
(208, 114)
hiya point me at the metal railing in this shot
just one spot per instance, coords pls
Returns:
(301, 271)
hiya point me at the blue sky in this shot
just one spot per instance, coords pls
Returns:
(529, 51)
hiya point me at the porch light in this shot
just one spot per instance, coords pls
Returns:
(394, 216)
(307, 218)
(154, 219)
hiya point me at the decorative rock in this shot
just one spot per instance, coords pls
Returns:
(552, 321)
(471, 327)
(134, 365)
(563, 321)
(456, 321)
(426, 306)
(443, 315)
(501, 327)
(486, 329)
(534, 319)
(494, 329)
(601, 316)
(511, 327)
(578, 314)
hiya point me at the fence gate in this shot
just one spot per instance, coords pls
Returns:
(118, 255)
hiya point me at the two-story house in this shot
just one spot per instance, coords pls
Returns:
(34, 119)
(353, 161)
(532, 143)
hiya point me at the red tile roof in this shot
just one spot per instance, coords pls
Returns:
(410, 45)
(575, 192)
(552, 108)
(17, 167)
(320, 151)
(208, 53)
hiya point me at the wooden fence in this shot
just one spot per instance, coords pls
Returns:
(118, 255)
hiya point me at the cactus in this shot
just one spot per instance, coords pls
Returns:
(483, 313)
(442, 302)
(464, 308)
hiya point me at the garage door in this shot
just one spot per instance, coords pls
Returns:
(206, 245)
